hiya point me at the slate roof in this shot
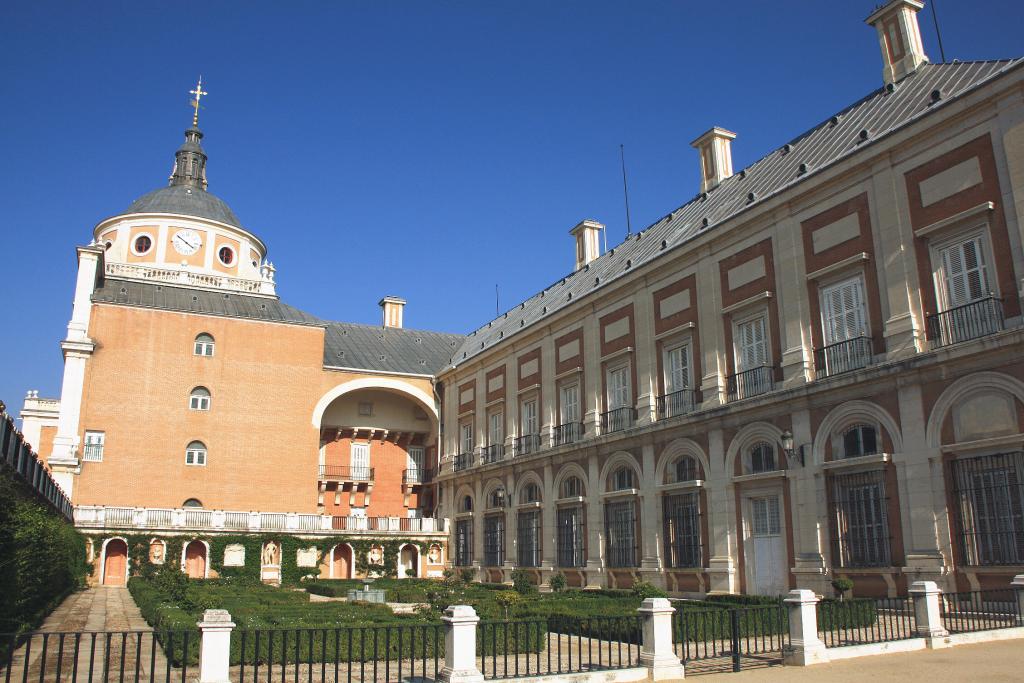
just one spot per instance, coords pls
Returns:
(364, 347)
(881, 113)
(186, 201)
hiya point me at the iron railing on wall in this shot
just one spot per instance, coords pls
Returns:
(417, 476)
(570, 432)
(493, 453)
(758, 632)
(844, 356)
(980, 610)
(862, 621)
(463, 461)
(527, 444)
(752, 382)
(964, 323)
(345, 473)
(17, 455)
(617, 419)
(676, 403)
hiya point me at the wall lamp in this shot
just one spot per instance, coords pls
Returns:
(789, 449)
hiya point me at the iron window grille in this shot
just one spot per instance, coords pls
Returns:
(572, 487)
(762, 458)
(494, 540)
(682, 530)
(861, 521)
(464, 542)
(620, 530)
(685, 469)
(989, 495)
(528, 539)
(570, 537)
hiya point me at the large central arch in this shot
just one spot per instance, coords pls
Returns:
(398, 386)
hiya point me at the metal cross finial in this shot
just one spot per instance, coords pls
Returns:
(198, 92)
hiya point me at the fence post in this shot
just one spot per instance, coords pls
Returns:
(1018, 588)
(656, 652)
(927, 615)
(215, 646)
(805, 647)
(460, 646)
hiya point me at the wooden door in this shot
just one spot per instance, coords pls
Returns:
(115, 563)
(195, 560)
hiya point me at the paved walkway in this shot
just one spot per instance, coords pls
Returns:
(68, 648)
(989, 662)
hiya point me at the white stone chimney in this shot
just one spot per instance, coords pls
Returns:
(392, 307)
(899, 37)
(715, 156)
(588, 241)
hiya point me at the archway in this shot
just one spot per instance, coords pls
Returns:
(195, 560)
(115, 562)
(341, 562)
(408, 559)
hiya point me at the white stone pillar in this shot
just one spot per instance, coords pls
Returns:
(460, 646)
(656, 651)
(805, 647)
(215, 646)
(1018, 586)
(595, 525)
(927, 614)
(645, 359)
(650, 520)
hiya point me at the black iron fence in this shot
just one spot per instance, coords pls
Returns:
(864, 621)
(463, 461)
(527, 444)
(753, 382)
(617, 419)
(345, 473)
(963, 323)
(676, 403)
(844, 356)
(557, 645)
(493, 453)
(417, 476)
(980, 610)
(571, 432)
(758, 633)
(17, 454)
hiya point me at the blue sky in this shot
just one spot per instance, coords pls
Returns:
(425, 149)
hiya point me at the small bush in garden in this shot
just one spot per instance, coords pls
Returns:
(521, 582)
(842, 585)
(508, 600)
(467, 574)
(557, 582)
(646, 589)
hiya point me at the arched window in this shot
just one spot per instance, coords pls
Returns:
(685, 469)
(622, 479)
(199, 399)
(204, 345)
(496, 498)
(572, 487)
(195, 454)
(762, 457)
(530, 494)
(467, 504)
(192, 503)
(861, 439)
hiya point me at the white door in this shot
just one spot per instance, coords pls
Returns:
(963, 278)
(618, 388)
(570, 403)
(843, 311)
(414, 464)
(766, 559)
(360, 461)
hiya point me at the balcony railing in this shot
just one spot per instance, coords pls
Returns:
(463, 461)
(345, 473)
(493, 453)
(963, 323)
(753, 382)
(676, 403)
(617, 419)
(527, 444)
(189, 519)
(570, 432)
(417, 476)
(844, 356)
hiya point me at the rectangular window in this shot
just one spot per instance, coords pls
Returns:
(842, 311)
(989, 493)
(570, 537)
(466, 437)
(360, 455)
(414, 463)
(682, 530)
(860, 520)
(751, 344)
(496, 429)
(677, 368)
(464, 542)
(195, 456)
(620, 530)
(93, 450)
(528, 538)
(529, 418)
(570, 403)
(765, 513)
(962, 276)
(494, 540)
(618, 387)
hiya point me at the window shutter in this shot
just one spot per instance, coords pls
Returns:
(753, 346)
(964, 273)
(678, 376)
(843, 311)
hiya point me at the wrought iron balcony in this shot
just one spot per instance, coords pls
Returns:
(463, 461)
(570, 432)
(493, 453)
(417, 476)
(527, 444)
(753, 382)
(963, 323)
(844, 356)
(617, 419)
(345, 473)
(676, 403)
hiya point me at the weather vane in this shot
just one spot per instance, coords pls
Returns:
(198, 92)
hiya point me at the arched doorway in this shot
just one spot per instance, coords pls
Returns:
(195, 560)
(115, 562)
(408, 559)
(341, 562)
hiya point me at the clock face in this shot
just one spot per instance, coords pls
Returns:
(187, 242)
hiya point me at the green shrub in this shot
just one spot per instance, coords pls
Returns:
(557, 582)
(521, 582)
(467, 574)
(740, 599)
(508, 600)
(646, 589)
(842, 585)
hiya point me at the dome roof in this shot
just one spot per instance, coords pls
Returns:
(186, 201)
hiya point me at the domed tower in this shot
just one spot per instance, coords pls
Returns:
(183, 234)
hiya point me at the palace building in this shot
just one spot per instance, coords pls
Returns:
(810, 369)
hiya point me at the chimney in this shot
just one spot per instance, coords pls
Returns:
(715, 156)
(588, 241)
(899, 36)
(392, 307)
